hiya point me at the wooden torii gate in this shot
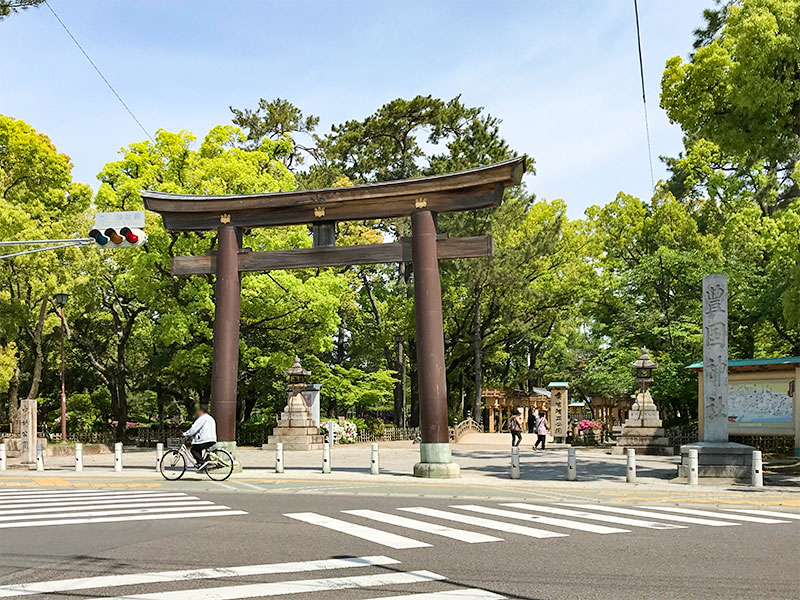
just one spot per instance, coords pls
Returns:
(420, 199)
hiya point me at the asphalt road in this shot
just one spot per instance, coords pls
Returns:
(576, 557)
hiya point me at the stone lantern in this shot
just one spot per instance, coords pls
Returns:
(296, 429)
(643, 369)
(643, 431)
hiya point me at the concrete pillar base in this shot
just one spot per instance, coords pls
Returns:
(231, 447)
(437, 470)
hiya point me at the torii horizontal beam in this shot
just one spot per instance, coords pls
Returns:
(335, 256)
(466, 190)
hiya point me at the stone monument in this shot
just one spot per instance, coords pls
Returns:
(717, 457)
(27, 431)
(559, 411)
(642, 429)
(296, 429)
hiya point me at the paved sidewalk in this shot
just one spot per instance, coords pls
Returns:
(485, 471)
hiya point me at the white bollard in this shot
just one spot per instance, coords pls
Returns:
(374, 465)
(572, 465)
(326, 458)
(630, 475)
(39, 457)
(118, 456)
(758, 469)
(159, 455)
(514, 462)
(279, 457)
(691, 478)
(3, 463)
(79, 457)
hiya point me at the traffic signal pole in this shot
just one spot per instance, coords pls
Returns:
(63, 387)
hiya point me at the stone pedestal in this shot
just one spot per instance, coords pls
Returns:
(719, 459)
(296, 429)
(642, 431)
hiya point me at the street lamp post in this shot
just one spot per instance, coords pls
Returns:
(61, 302)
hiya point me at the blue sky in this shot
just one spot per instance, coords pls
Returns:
(562, 75)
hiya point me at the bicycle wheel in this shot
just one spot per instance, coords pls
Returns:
(220, 464)
(172, 465)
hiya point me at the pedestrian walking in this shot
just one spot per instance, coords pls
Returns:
(515, 427)
(541, 430)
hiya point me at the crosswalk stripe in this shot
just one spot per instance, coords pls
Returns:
(107, 513)
(764, 513)
(457, 534)
(78, 492)
(587, 515)
(710, 513)
(82, 521)
(109, 581)
(481, 522)
(567, 524)
(462, 594)
(117, 500)
(301, 586)
(360, 531)
(642, 513)
(73, 499)
(60, 509)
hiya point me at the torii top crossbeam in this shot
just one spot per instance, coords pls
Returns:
(465, 190)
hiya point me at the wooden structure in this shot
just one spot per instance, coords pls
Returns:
(421, 199)
(500, 405)
(611, 411)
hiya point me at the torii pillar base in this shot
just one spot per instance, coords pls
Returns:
(434, 449)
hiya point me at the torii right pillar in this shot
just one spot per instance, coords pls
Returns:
(434, 449)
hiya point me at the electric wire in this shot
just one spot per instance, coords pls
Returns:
(99, 72)
(644, 95)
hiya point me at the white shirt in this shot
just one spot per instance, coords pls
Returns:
(204, 429)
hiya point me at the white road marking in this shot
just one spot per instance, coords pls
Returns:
(481, 522)
(587, 515)
(279, 588)
(108, 581)
(191, 515)
(77, 499)
(642, 513)
(457, 534)
(365, 533)
(510, 514)
(765, 513)
(116, 500)
(710, 513)
(108, 513)
(250, 485)
(44, 494)
(462, 594)
(60, 509)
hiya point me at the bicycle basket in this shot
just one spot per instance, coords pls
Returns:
(174, 443)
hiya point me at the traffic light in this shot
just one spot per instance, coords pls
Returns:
(119, 229)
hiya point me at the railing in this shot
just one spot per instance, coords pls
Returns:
(390, 434)
(469, 425)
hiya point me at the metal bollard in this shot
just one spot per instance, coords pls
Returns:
(374, 465)
(118, 456)
(159, 455)
(326, 457)
(279, 457)
(514, 462)
(758, 469)
(3, 463)
(79, 457)
(630, 475)
(39, 457)
(691, 478)
(572, 465)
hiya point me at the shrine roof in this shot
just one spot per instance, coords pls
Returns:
(464, 190)
(771, 364)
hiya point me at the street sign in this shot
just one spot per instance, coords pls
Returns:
(118, 220)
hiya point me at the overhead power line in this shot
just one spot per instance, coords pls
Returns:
(99, 72)
(644, 95)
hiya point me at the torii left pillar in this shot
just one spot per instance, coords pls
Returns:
(225, 366)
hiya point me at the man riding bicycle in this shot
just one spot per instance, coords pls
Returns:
(204, 434)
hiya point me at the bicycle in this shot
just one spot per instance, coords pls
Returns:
(217, 463)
